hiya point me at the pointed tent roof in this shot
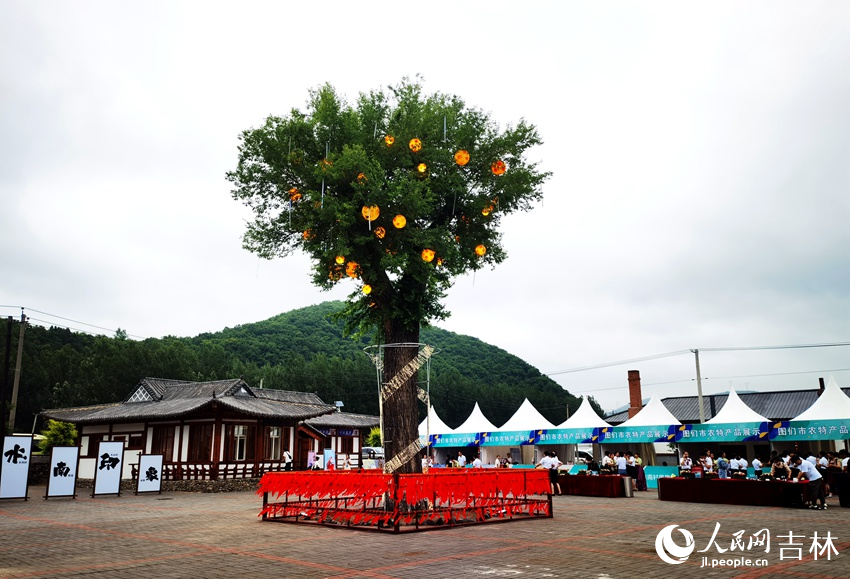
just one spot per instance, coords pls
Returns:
(475, 423)
(735, 410)
(833, 404)
(437, 425)
(653, 414)
(584, 417)
(526, 418)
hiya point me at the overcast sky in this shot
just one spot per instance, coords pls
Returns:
(700, 153)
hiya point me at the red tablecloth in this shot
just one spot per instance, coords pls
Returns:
(592, 486)
(733, 491)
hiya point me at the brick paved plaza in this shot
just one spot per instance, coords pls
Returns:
(219, 535)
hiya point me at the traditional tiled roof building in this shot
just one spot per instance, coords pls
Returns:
(217, 429)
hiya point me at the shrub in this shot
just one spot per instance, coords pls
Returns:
(57, 434)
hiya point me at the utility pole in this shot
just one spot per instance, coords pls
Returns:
(4, 382)
(699, 389)
(17, 381)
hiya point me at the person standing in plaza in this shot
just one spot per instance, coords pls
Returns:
(551, 463)
(757, 466)
(461, 459)
(686, 464)
(815, 479)
(723, 466)
(621, 464)
(287, 460)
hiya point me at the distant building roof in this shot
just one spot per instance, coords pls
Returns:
(344, 420)
(777, 405)
(161, 399)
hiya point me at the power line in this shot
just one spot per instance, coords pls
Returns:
(618, 363)
(678, 352)
(789, 347)
(68, 320)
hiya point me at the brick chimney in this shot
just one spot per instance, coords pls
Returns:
(635, 398)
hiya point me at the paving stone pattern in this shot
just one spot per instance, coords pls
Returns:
(179, 534)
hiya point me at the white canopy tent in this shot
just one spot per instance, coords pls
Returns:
(526, 418)
(653, 414)
(832, 404)
(736, 410)
(476, 422)
(436, 426)
(584, 417)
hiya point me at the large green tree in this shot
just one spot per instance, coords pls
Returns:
(402, 191)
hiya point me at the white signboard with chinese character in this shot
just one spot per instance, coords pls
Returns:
(15, 467)
(64, 465)
(107, 469)
(150, 474)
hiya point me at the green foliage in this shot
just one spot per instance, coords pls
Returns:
(57, 434)
(308, 175)
(374, 437)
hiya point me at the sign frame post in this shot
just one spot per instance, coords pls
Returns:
(60, 458)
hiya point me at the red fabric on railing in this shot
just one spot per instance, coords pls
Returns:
(326, 484)
(479, 492)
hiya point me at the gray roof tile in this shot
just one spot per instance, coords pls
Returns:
(177, 398)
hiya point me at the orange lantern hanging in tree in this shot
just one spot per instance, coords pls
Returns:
(422, 168)
(399, 221)
(361, 178)
(480, 250)
(308, 234)
(498, 167)
(415, 145)
(351, 269)
(462, 157)
(367, 289)
(380, 232)
(428, 255)
(335, 273)
(487, 210)
(439, 261)
(326, 164)
(370, 212)
(389, 140)
(294, 195)
(339, 259)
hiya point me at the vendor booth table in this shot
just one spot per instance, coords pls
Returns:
(592, 485)
(773, 493)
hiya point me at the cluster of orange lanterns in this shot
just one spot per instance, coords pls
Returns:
(372, 212)
(462, 156)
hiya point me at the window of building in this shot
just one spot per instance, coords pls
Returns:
(163, 442)
(200, 442)
(274, 441)
(240, 442)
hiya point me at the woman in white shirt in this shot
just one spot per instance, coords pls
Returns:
(686, 464)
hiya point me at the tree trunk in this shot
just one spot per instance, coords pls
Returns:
(401, 412)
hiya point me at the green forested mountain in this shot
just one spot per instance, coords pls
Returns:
(299, 350)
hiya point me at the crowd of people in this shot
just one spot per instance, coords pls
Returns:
(785, 465)
(625, 463)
